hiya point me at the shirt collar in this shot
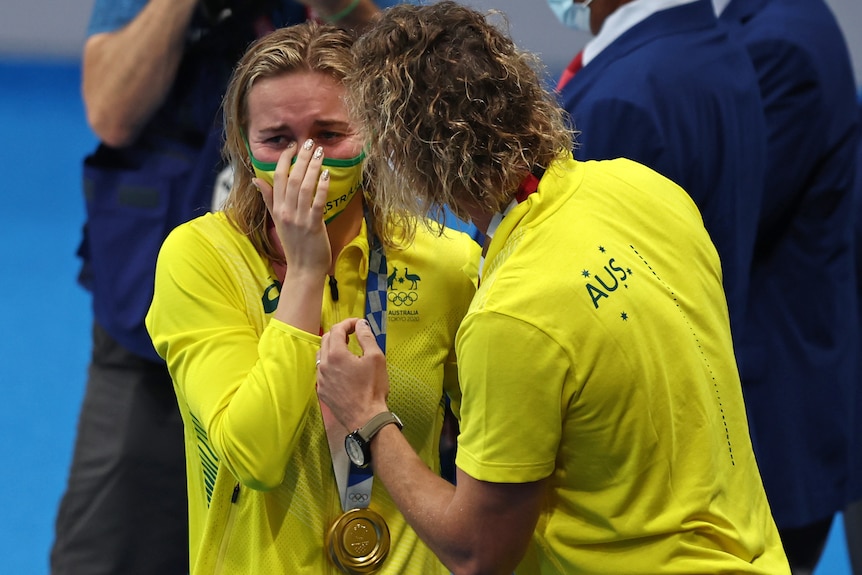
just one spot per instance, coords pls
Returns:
(624, 18)
(719, 6)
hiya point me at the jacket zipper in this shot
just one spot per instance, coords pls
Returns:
(333, 293)
(234, 497)
(333, 288)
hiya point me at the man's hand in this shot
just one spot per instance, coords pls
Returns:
(354, 388)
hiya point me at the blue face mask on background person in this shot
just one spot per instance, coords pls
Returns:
(345, 179)
(574, 15)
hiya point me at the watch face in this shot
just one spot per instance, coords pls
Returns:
(354, 450)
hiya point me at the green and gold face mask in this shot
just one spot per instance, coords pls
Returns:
(345, 179)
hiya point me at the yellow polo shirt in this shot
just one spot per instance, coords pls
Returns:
(597, 353)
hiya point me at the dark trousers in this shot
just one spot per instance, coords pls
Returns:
(853, 533)
(125, 509)
(804, 545)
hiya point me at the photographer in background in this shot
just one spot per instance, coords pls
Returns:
(154, 73)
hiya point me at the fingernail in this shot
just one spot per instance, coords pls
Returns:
(291, 144)
(318, 153)
(308, 144)
(324, 175)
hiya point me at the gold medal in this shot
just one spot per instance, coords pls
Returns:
(358, 541)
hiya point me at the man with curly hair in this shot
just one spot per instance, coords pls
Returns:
(602, 422)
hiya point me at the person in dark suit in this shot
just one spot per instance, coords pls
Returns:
(797, 350)
(661, 84)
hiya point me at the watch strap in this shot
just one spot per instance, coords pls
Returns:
(376, 423)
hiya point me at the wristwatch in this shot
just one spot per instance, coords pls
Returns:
(358, 442)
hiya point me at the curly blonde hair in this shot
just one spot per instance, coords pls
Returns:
(454, 113)
(306, 47)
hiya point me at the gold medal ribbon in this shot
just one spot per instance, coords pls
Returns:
(358, 541)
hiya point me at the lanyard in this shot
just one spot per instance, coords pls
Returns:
(354, 483)
(528, 186)
(376, 287)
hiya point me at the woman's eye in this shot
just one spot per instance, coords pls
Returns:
(278, 140)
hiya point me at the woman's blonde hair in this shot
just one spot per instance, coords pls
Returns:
(454, 114)
(306, 47)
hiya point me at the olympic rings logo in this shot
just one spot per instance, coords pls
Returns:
(403, 298)
(358, 497)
